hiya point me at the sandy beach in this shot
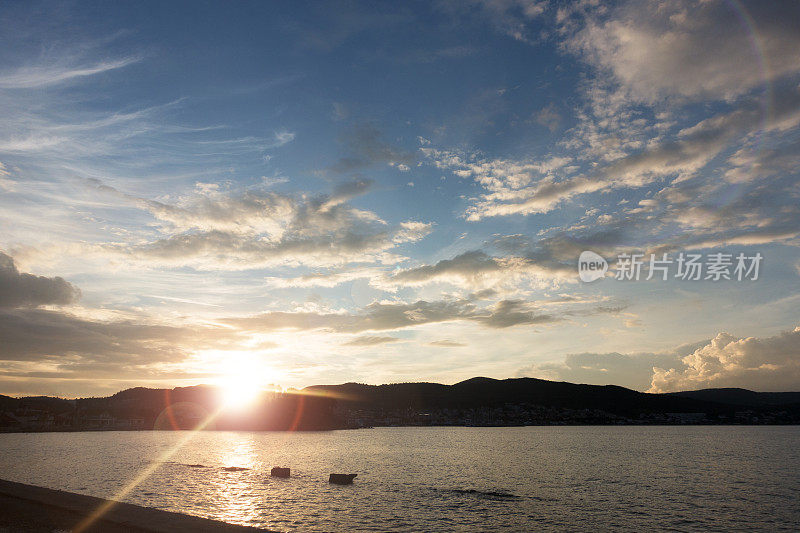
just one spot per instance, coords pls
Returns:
(37, 509)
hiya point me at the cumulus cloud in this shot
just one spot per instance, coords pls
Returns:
(28, 290)
(766, 364)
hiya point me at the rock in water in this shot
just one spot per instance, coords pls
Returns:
(279, 472)
(342, 479)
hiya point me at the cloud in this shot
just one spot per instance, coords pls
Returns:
(514, 186)
(282, 138)
(370, 341)
(470, 265)
(749, 164)
(73, 341)
(230, 230)
(229, 251)
(340, 111)
(446, 343)
(27, 290)
(540, 261)
(428, 55)
(327, 278)
(509, 17)
(549, 117)
(477, 270)
(37, 334)
(692, 50)
(40, 76)
(634, 371)
(45, 348)
(383, 316)
(6, 183)
(365, 147)
(528, 186)
(508, 313)
(765, 364)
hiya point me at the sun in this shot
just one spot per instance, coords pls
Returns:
(239, 394)
(241, 384)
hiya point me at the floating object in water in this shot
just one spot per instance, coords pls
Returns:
(279, 472)
(234, 468)
(486, 493)
(342, 479)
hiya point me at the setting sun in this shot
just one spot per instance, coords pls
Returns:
(241, 383)
(238, 394)
(368, 265)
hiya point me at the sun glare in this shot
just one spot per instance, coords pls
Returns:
(239, 394)
(242, 384)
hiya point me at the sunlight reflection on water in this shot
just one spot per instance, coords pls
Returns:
(439, 479)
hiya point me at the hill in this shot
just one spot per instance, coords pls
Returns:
(487, 401)
(742, 397)
(477, 401)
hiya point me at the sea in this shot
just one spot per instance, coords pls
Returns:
(552, 478)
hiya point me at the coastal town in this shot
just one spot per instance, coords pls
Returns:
(129, 414)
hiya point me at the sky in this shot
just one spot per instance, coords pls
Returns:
(380, 192)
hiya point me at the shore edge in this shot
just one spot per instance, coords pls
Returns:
(32, 508)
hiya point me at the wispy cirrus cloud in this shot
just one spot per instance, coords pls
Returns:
(33, 76)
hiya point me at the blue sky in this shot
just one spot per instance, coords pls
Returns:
(383, 192)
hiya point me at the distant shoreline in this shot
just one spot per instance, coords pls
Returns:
(38, 509)
(651, 424)
(479, 402)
